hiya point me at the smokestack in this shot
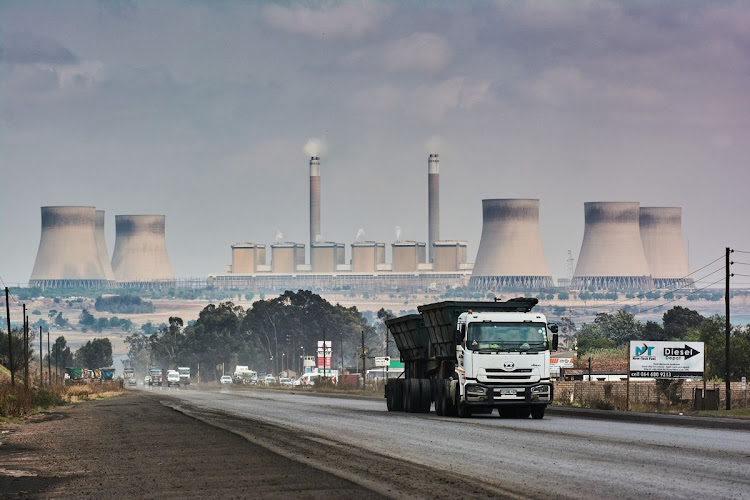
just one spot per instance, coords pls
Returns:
(661, 234)
(433, 203)
(511, 254)
(101, 246)
(68, 254)
(314, 202)
(140, 249)
(612, 256)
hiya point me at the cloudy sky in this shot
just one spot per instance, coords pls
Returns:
(201, 111)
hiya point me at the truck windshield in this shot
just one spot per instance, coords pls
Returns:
(506, 337)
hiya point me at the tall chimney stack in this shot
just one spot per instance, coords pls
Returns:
(433, 203)
(314, 202)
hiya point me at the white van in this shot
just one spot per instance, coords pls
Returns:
(310, 379)
(173, 378)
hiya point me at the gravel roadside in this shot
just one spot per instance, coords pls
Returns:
(134, 447)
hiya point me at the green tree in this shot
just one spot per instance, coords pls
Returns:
(95, 353)
(591, 337)
(86, 319)
(61, 355)
(139, 351)
(653, 331)
(712, 331)
(18, 351)
(679, 320)
(60, 320)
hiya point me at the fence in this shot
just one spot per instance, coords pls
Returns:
(656, 395)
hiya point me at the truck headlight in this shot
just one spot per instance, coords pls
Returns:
(540, 389)
(476, 390)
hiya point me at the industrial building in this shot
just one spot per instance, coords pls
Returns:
(140, 253)
(661, 235)
(511, 254)
(612, 256)
(68, 254)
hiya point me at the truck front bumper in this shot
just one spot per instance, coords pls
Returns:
(478, 394)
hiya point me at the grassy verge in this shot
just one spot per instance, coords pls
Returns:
(18, 402)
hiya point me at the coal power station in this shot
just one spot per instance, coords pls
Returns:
(625, 247)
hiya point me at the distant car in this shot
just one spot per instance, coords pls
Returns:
(225, 379)
(270, 379)
(284, 381)
(132, 381)
(147, 380)
(173, 378)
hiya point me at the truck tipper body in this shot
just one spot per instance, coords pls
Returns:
(156, 376)
(473, 357)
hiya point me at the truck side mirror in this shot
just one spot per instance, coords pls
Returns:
(553, 327)
(555, 340)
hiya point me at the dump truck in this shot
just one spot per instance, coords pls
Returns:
(471, 357)
(107, 374)
(155, 375)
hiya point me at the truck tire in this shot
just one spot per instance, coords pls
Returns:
(425, 395)
(394, 398)
(462, 410)
(413, 395)
(537, 412)
(440, 398)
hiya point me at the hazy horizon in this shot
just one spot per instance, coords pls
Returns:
(208, 112)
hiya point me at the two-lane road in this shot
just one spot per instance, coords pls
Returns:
(555, 457)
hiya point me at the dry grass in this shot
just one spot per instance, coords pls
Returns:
(17, 402)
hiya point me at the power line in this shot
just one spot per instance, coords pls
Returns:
(673, 300)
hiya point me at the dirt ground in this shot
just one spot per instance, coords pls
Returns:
(134, 447)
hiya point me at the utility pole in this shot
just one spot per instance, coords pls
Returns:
(728, 332)
(49, 361)
(387, 355)
(324, 353)
(41, 358)
(10, 340)
(25, 348)
(363, 356)
(342, 355)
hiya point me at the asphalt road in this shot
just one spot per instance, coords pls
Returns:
(558, 457)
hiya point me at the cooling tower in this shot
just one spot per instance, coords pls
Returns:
(448, 255)
(314, 202)
(68, 255)
(380, 253)
(284, 258)
(246, 257)
(612, 256)
(101, 246)
(364, 257)
(511, 254)
(433, 203)
(141, 249)
(406, 256)
(661, 235)
(340, 254)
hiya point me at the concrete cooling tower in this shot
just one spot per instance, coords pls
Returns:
(448, 256)
(246, 257)
(140, 249)
(661, 234)
(433, 203)
(510, 252)
(612, 256)
(314, 202)
(407, 255)
(68, 255)
(101, 246)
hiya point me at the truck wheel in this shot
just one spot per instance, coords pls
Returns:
(450, 405)
(425, 395)
(440, 398)
(524, 412)
(463, 410)
(413, 395)
(398, 395)
(537, 412)
(393, 397)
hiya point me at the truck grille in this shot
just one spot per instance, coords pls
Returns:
(499, 375)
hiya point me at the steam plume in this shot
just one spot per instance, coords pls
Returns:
(315, 146)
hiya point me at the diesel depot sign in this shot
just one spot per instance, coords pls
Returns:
(666, 359)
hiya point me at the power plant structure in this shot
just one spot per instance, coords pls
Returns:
(68, 254)
(314, 203)
(612, 256)
(140, 253)
(101, 246)
(407, 256)
(661, 235)
(433, 203)
(248, 258)
(511, 254)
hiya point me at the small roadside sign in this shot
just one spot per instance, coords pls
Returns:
(382, 360)
(744, 383)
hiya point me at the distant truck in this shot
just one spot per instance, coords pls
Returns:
(244, 375)
(128, 373)
(156, 376)
(107, 374)
(473, 357)
(184, 372)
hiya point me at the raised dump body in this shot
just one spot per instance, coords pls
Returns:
(472, 357)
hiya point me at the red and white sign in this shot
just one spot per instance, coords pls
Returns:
(561, 362)
(324, 354)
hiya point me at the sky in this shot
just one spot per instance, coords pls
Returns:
(202, 111)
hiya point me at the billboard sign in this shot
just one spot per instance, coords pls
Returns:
(561, 362)
(324, 354)
(666, 360)
(382, 360)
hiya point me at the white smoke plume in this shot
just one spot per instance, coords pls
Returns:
(279, 236)
(360, 234)
(315, 146)
(398, 233)
(434, 144)
(318, 238)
